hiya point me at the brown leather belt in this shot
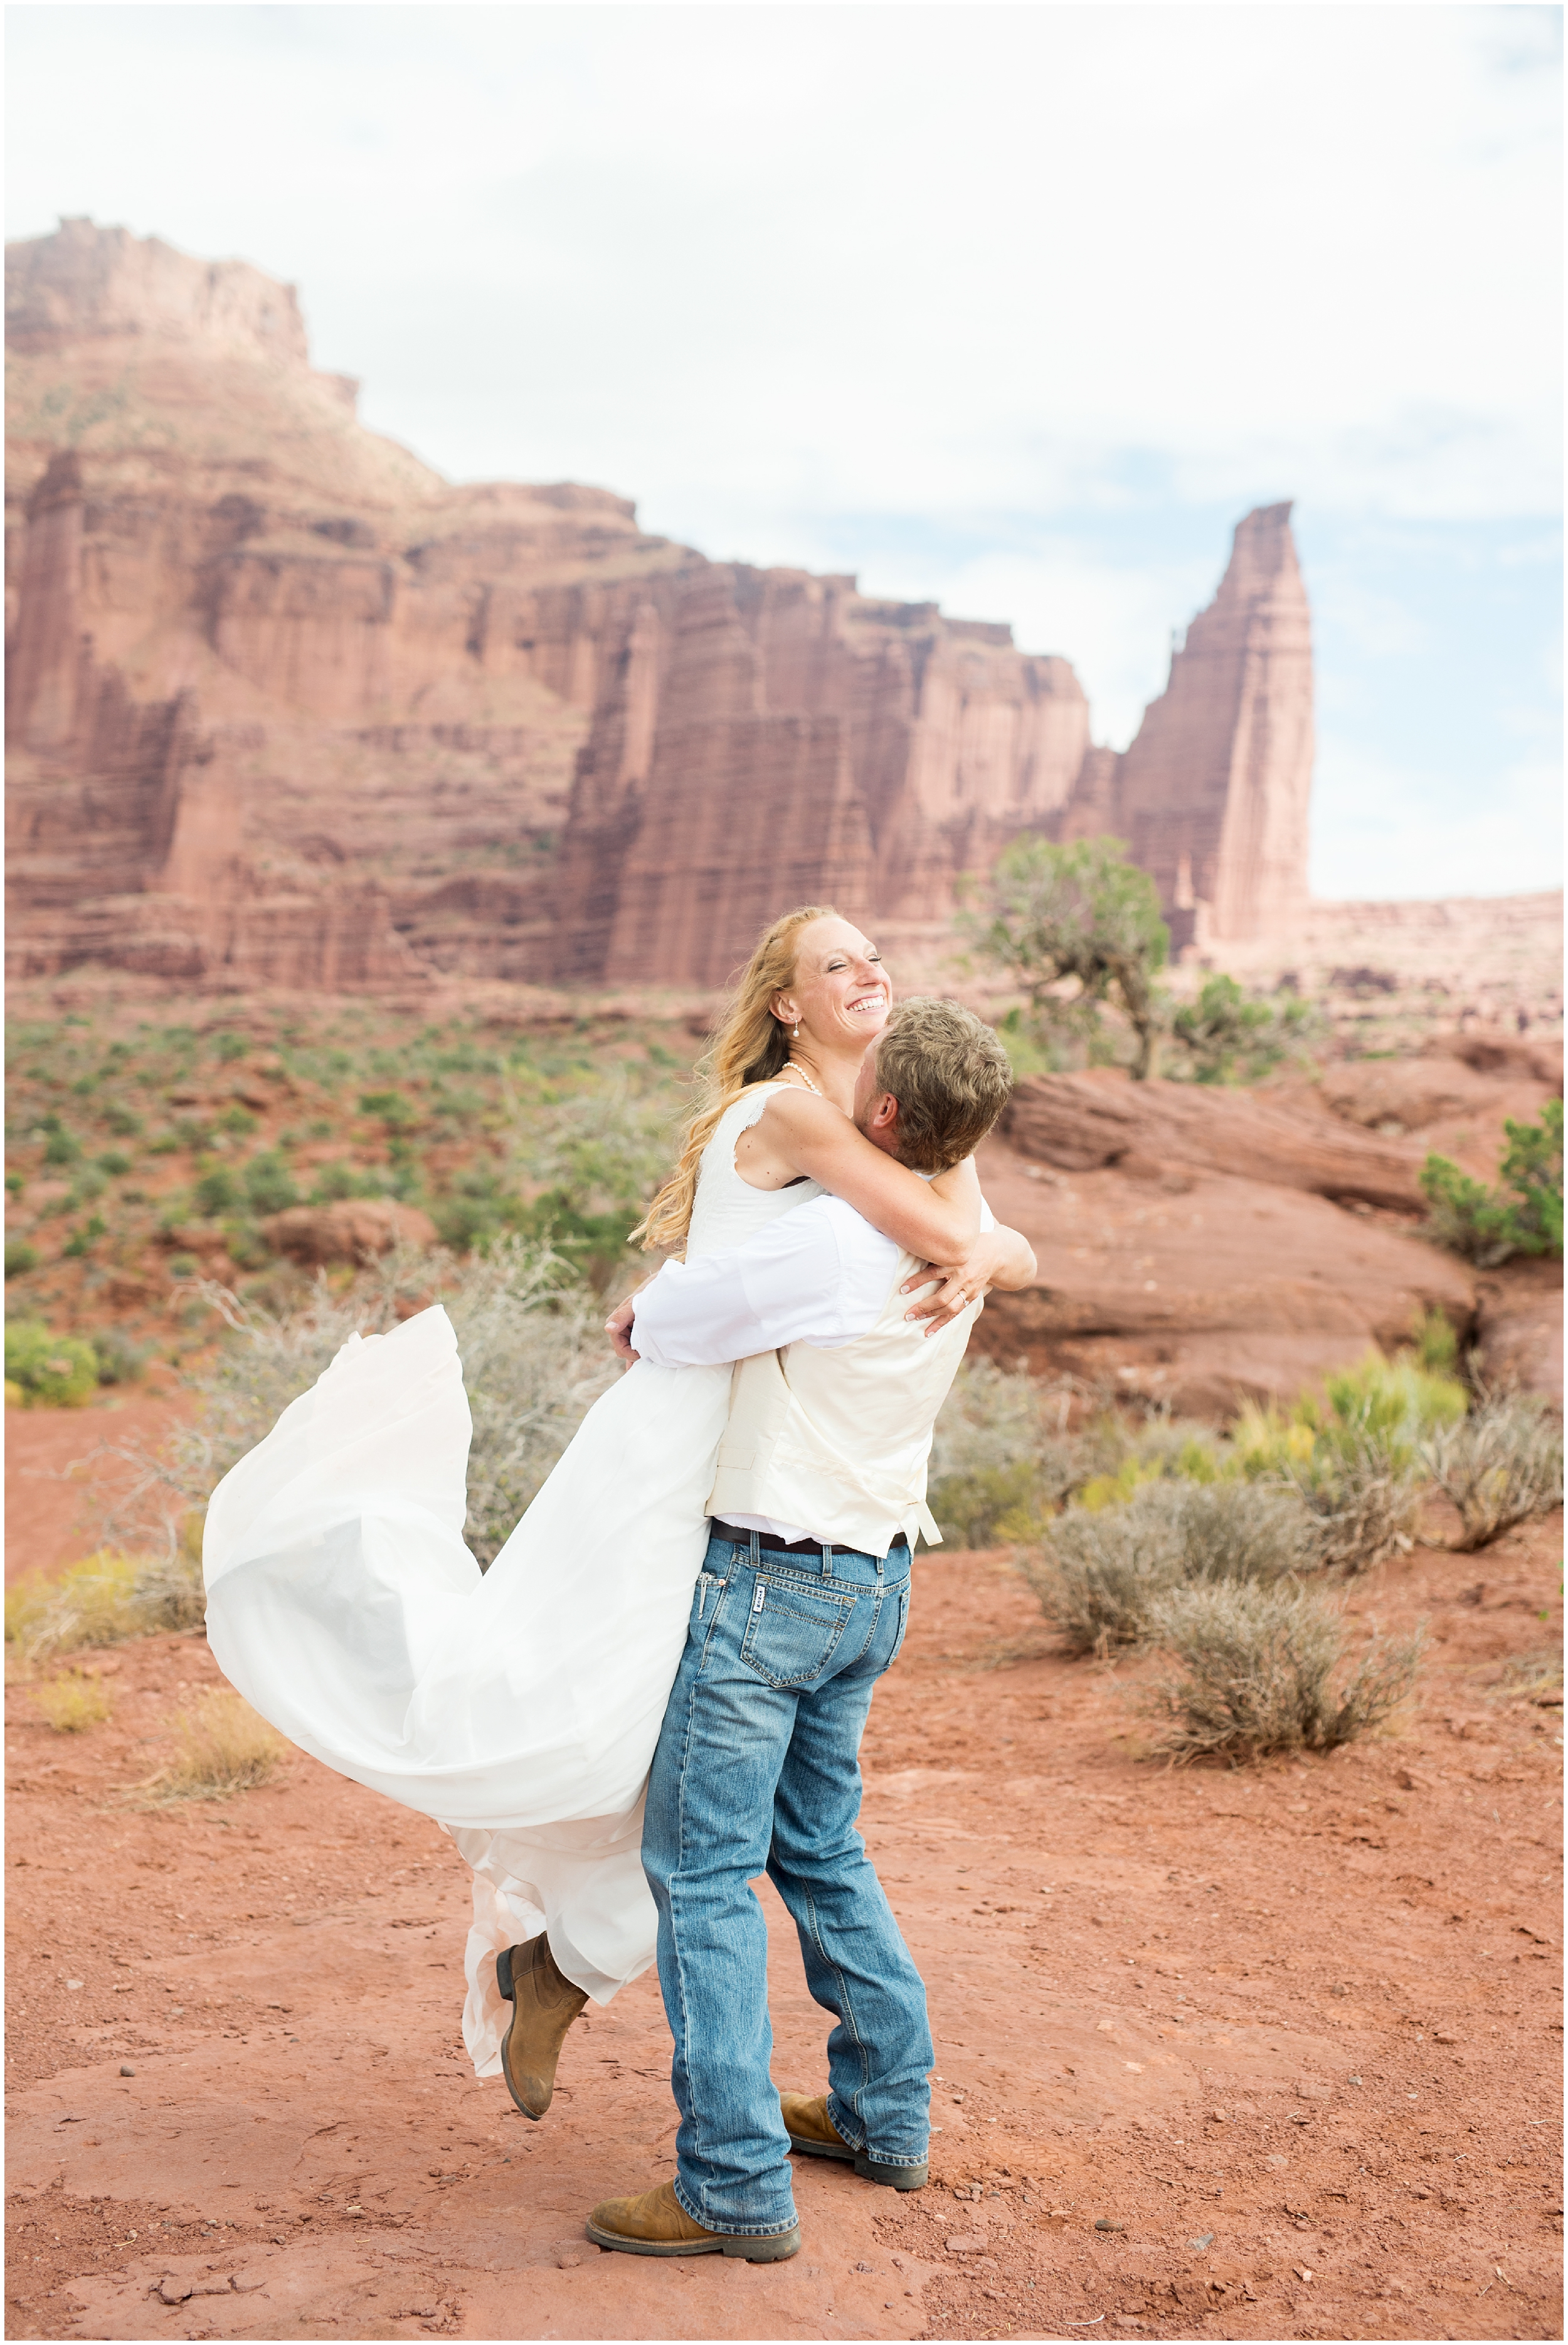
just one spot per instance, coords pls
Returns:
(776, 1546)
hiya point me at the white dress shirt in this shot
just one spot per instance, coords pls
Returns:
(819, 1275)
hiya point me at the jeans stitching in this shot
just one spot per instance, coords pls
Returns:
(675, 1934)
(800, 1677)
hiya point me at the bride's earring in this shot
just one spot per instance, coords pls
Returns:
(797, 1034)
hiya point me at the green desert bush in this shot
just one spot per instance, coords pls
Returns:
(270, 1184)
(1259, 1668)
(52, 1371)
(1121, 1454)
(1352, 1452)
(999, 1468)
(1101, 1572)
(20, 1257)
(1434, 1342)
(1522, 1216)
(1503, 1462)
(216, 1191)
(1389, 1407)
(1227, 1036)
(119, 1360)
(1078, 917)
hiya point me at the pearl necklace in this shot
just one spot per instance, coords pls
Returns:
(805, 1079)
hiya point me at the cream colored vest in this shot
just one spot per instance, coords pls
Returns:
(838, 1441)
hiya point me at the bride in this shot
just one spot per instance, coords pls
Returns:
(520, 1707)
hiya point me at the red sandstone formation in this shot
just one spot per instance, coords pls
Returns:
(1212, 796)
(288, 708)
(1083, 1122)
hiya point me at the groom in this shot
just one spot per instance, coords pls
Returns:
(801, 1605)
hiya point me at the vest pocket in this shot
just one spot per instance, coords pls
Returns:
(791, 1634)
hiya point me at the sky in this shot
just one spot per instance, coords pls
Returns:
(1017, 308)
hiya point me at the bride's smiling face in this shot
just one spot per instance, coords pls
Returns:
(841, 995)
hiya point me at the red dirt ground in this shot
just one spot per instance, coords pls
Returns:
(61, 1473)
(1263, 2054)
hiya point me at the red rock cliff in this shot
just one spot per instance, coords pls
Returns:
(287, 707)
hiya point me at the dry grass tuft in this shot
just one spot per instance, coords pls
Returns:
(101, 1600)
(224, 1747)
(1501, 1464)
(1256, 1672)
(72, 1703)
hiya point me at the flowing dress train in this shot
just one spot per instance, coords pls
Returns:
(518, 1707)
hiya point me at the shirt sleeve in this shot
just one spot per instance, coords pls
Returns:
(819, 1275)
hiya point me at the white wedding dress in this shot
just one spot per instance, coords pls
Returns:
(518, 1706)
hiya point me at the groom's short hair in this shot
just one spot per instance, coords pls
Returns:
(950, 1076)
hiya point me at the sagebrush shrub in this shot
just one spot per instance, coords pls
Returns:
(1097, 1575)
(1503, 1463)
(1100, 1572)
(1258, 1668)
(1362, 1503)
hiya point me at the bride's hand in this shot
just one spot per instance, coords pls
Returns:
(618, 1327)
(998, 1257)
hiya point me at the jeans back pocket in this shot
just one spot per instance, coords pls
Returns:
(792, 1632)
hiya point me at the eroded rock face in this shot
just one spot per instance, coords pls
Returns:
(285, 707)
(1083, 1122)
(1199, 1246)
(1196, 1288)
(288, 708)
(1212, 795)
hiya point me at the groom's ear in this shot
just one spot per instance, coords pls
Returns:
(882, 1122)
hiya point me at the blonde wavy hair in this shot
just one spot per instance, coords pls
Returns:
(749, 1046)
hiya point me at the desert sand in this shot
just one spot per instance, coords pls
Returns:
(1265, 2052)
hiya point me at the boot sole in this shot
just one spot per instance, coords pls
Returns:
(503, 1981)
(776, 2249)
(896, 2178)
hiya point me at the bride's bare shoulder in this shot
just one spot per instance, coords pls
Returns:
(791, 1109)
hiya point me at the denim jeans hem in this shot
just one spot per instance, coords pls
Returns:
(734, 2230)
(841, 2117)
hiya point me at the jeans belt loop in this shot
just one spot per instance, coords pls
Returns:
(826, 1560)
(756, 1551)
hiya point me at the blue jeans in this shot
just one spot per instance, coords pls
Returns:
(757, 1769)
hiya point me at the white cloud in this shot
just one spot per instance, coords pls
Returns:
(1015, 280)
(1382, 829)
(967, 247)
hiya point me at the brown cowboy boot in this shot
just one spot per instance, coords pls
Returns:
(543, 2007)
(656, 2224)
(813, 2132)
